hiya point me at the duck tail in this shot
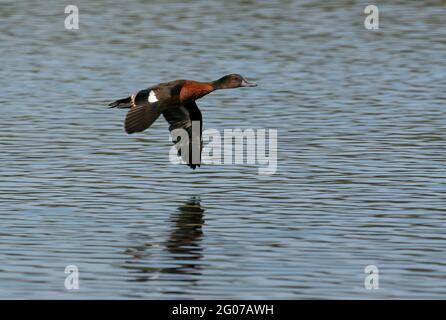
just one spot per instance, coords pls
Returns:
(121, 103)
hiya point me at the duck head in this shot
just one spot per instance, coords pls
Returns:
(232, 81)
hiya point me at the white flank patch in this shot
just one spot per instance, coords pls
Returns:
(152, 97)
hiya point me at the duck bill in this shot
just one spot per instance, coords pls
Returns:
(247, 84)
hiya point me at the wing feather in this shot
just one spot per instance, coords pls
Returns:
(140, 117)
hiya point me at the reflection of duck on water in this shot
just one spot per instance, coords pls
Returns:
(183, 246)
(187, 231)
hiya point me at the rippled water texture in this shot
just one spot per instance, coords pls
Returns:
(361, 126)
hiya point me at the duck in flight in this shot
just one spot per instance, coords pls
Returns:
(175, 100)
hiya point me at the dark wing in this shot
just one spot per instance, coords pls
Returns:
(142, 113)
(182, 117)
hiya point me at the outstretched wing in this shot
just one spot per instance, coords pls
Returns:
(183, 117)
(143, 113)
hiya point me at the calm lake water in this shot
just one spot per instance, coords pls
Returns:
(361, 179)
